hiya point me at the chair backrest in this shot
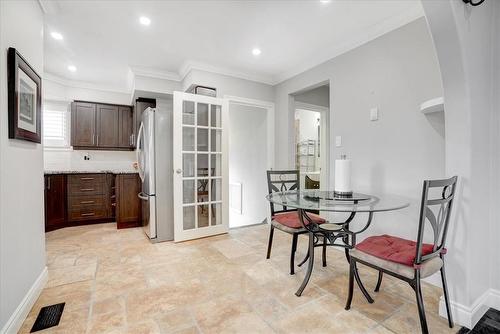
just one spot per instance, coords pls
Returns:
(437, 202)
(284, 180)
(310, 183)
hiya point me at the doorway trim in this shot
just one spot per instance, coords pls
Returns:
(325, 134)
(270, 108)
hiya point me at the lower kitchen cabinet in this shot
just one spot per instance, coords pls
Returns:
(55, 201)
(128, 204)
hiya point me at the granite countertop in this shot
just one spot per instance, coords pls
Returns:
(110, 171)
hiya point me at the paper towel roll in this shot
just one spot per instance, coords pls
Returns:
(343, 177)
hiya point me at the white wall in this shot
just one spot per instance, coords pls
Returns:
(319, 96)
(22, 241)
(248, 162)
(396, 73)
(465, 38)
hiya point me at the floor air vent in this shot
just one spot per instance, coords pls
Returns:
(49, 316)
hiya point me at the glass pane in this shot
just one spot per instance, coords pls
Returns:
(202, 114)
(187, 164)
(188, 217)
(216, 136)
(215, 116)
(187, 139)
(188, 191)
(202, 140)
(216, 190)
(215, 164)
(203, 215)
(216, 212)
(202, 190)
(202, 164)
(188, 112)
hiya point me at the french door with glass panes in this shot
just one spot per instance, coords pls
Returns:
(200, 148)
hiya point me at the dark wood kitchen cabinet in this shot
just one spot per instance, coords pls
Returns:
(128, 204)
(83, 124)
(101, 126)
(126, 127)
(55, 201)
(107, 126)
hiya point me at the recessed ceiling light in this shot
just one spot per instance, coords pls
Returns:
(324, 1)
(72, 68)
(56, 35)
(144, 20)
(256, 51)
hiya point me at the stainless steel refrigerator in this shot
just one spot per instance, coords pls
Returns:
(154, 159)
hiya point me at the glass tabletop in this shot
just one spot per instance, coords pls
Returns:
(328, 201)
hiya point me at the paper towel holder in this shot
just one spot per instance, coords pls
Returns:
(342, 194)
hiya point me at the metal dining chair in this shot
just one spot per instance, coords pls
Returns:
(287, 219)
(410, 260)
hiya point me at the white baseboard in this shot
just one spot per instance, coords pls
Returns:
(17, 318)
(468, 316)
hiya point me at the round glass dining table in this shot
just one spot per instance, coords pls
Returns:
(338, 234)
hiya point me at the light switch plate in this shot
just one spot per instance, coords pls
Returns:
(338, 141)
(373, 114)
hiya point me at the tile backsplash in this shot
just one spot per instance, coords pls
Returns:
(72, 160)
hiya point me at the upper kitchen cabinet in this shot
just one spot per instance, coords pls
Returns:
(107, 126)
(101, 126)
(83, 124)
(126, 127)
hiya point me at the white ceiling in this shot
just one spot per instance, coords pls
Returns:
(104, 39)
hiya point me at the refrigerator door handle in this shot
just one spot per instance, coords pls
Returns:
(143, 196)
(139, 153)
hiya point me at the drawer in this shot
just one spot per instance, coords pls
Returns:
(86, 184)
(87, 213)
(89, 200)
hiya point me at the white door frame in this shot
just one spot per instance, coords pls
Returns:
(269, 106)
(324, 140)
(270, 119)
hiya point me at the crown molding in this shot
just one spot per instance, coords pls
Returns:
(82, 84)
(356, 41)
(155, 73)
(191, 65)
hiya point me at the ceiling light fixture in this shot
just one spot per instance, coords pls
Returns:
(72, 68)
(324, 1)
(256, 51)
(145, 21)
(57, 36)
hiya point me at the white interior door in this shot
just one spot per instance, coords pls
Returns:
(200, 151)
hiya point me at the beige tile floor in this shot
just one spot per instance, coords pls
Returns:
(115, 281)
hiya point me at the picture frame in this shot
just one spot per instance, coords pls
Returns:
(24, 88)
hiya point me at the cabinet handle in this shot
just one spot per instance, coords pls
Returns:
(87, 189)
(97, 140)
(48, 183)
(86, 178)
(87, 202)
(133, 139)
(93, 138)
(88, 214)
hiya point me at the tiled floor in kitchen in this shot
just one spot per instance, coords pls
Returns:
(115, 281)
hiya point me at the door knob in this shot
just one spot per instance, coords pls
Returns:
(179, 171)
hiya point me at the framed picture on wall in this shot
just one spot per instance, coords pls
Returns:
(24, 87)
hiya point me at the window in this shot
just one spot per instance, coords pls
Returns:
(56, 124)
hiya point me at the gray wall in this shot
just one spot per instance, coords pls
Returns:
(319, 96)
(396, 73)
(22, 241)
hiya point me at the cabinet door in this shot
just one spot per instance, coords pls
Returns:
(83, 121)
(107, 126)
(128, 208)
(55, 202)
(125, 128)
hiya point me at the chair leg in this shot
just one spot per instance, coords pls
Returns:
(324, 251)
(292, 254)
(351, 285)
(270, 244)
(360, 284)
(420, 303)
(379, 282)
(446, 296)
(305, 259)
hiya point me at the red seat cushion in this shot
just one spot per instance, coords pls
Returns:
(291, 219)
(393, 249)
